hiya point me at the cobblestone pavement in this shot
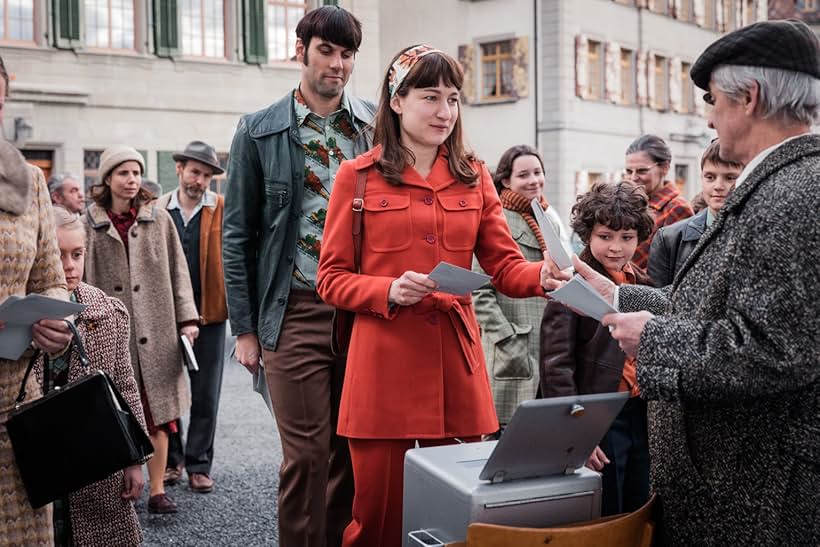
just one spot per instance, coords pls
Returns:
(242, 508)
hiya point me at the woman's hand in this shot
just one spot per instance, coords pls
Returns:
(132, 482)
(51, 335)
(551, 276)
(190, 332)
(247, 351)
(410, 288)
(597, 460)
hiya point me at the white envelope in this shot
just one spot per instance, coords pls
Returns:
(556, 249)
(580, 295)
(20, 313)
(456, 280)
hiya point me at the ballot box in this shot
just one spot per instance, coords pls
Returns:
(533, 476)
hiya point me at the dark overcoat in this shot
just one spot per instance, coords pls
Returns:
(731, 366)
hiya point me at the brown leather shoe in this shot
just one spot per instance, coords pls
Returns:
(201, 482)
(172, 475)
(161, 504)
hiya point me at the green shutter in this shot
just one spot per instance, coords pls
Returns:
(166, 171)
(330, 2)
(166, 28)
(67, 24)
(256, 45)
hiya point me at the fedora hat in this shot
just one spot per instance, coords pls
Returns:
(201, 152)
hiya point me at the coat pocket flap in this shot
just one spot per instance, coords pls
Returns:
(386, 202)
(463, 202)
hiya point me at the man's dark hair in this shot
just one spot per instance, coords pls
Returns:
(331, 24)
(618, 206)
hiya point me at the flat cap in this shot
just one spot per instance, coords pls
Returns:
(787, 45)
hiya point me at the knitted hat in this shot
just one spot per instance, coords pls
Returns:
(788, 45)
(115, 155)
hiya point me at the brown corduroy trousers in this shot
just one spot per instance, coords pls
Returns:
(305, 382)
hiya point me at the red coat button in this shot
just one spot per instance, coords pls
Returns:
(383, 203)
(428, 200)
(462, 203)
(430, 238)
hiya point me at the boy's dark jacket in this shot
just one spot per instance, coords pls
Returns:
(578, 355)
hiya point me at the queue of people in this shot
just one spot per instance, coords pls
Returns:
(339, 205)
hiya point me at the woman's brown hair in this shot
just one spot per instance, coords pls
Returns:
(101, 193)
(429, 71)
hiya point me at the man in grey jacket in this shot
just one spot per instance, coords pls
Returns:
(280, 174)
(728, 354)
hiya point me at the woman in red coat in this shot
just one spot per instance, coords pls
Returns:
(415, 368)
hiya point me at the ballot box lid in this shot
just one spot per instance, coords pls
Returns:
(552, 436)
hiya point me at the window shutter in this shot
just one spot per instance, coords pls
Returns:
(467, 60)
(166, 28)
(699, 7)
(254, 39)
(581, 72)
(675, 89)
(67, 24)
(612, 73)
(521, 62)
(641, 80)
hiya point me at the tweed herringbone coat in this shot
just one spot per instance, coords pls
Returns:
(99, 515)
(510, 329)
(731, 366)
(29, 263)
(153, 283)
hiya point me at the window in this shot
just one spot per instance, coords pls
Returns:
(809, 5)
(659, 6)
(18, 20)
(681, 176)
(203, 28)
(687, 90)
(497, 70)
(282, 18)
(109, 24)
(709, 21)
(627, 77)
(91, 167)
(661, 98)
(595, 70)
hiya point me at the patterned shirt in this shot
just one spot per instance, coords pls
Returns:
(667, 207)
(123, 222)
(327, 143)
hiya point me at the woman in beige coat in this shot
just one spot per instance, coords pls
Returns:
(134, 254)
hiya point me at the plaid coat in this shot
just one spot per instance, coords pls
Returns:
(509, 330)
(666, 206)
(731, 366)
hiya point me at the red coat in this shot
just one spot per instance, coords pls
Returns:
(416, 371)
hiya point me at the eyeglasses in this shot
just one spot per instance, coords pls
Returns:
(709, 99)
(640, 171)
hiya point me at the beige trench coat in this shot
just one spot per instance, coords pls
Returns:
(156, 289)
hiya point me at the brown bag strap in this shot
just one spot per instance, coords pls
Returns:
(358, 207)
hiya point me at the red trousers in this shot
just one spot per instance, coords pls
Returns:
(378, 475)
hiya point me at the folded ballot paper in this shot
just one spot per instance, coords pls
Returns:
(557, 251)
(456, 280)
(580, 295)
(19, 313)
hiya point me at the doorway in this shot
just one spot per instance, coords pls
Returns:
(44, 159)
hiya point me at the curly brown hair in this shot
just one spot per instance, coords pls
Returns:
(618, 206)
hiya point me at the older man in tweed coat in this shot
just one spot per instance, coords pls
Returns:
(730, 361)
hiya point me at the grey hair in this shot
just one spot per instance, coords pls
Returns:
(653, 145)
(55, 182)
(787, 96)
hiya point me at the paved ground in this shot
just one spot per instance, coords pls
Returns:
(242, 508)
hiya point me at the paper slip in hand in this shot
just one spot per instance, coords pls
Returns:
(580, 295)
(260, 385)
(188, 356)
(19, 313)
(455, 280)
(556, 249)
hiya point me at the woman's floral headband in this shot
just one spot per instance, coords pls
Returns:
(405, 62)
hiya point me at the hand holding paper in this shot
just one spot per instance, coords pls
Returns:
(556, 249)
(582, 297)
(20, 313)
(455, 280)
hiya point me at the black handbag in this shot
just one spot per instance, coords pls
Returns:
(74, 435)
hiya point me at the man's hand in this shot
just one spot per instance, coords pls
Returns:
(597, 460)
(552, 277)
(604, 286)
(247, 351)
(410, 288)
(190, 332)
(132, 483)
(626, 328)
(51, 335)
